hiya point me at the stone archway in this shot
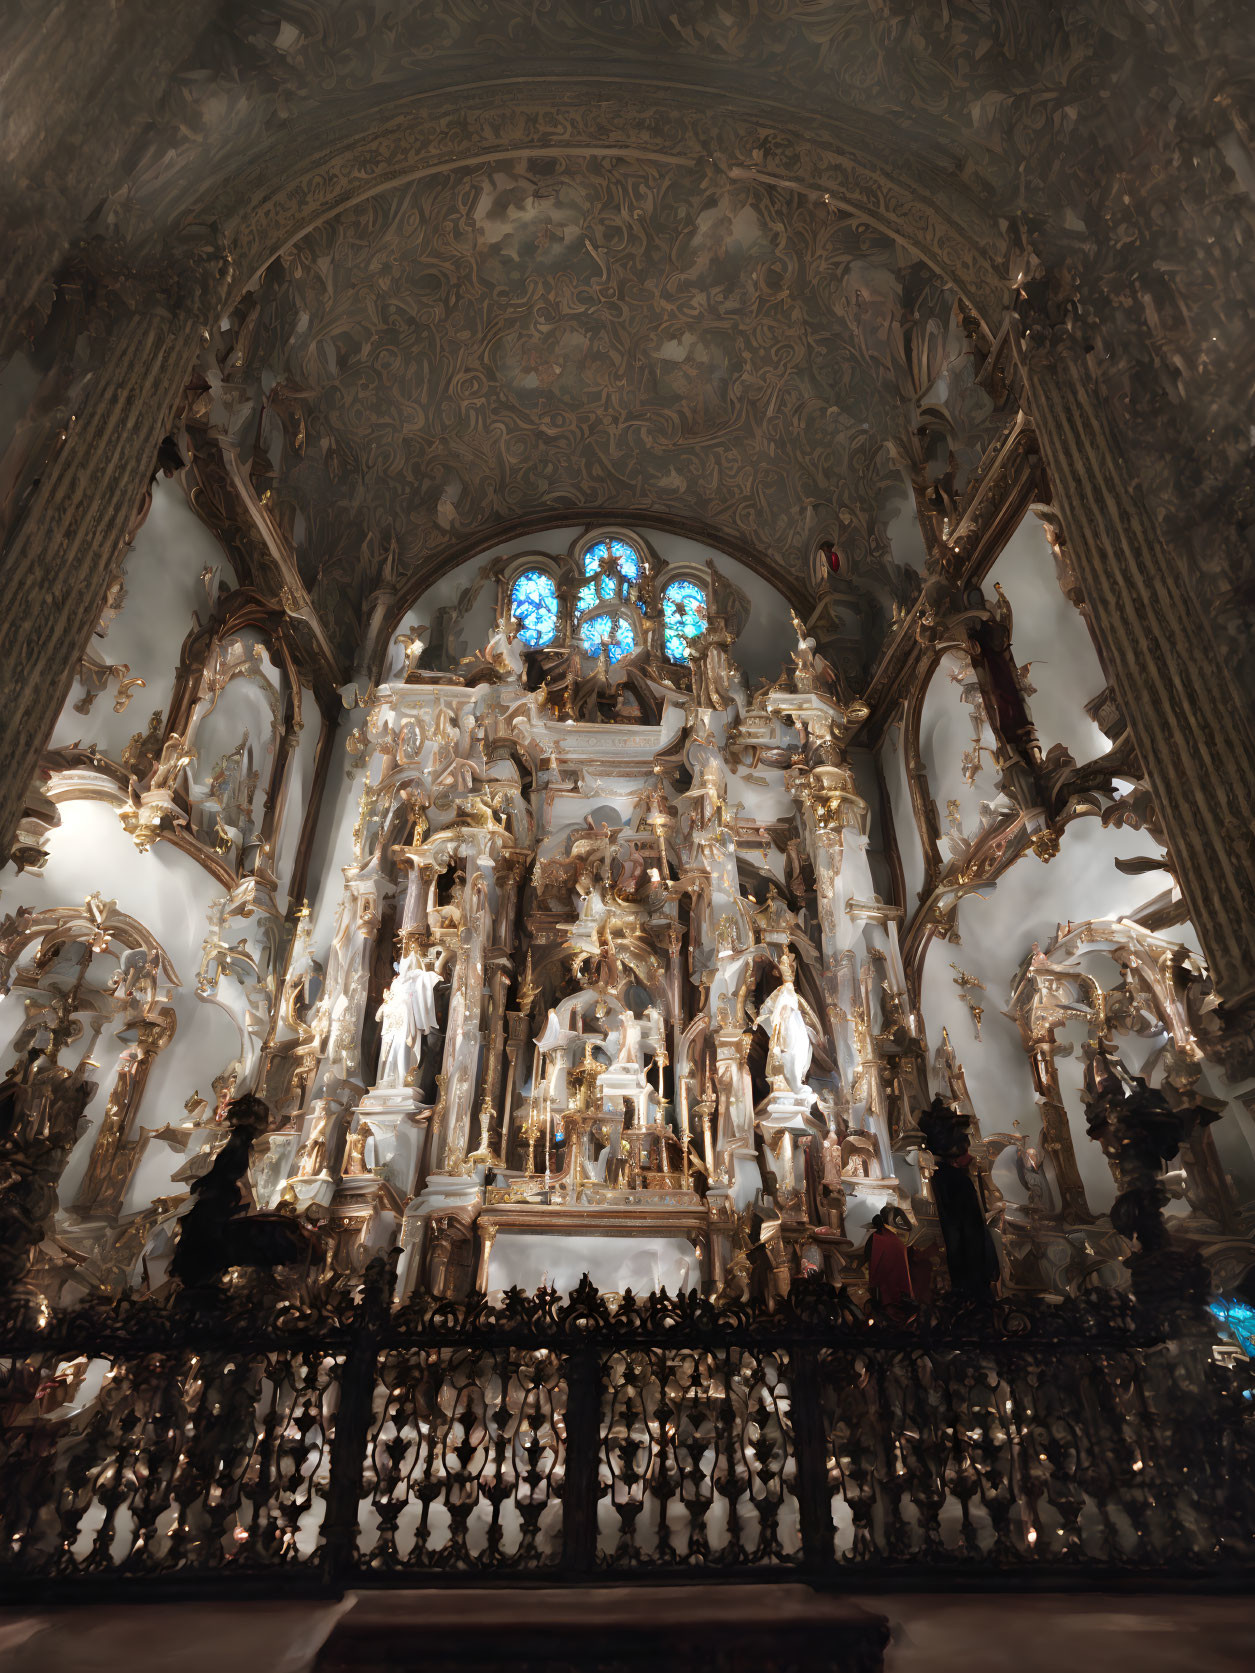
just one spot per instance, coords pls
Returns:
(1181, 702)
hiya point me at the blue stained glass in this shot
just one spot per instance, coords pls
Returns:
(615, 633)
(683, 618)
(627, 559)
(1238, 1317)
(586, 598)
(534, 600)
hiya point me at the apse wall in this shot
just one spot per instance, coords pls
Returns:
(196, 885)
(167, 574)
(997, 924)
(759, 650)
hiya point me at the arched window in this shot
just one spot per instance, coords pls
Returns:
(615, 632)
(683, 617)
(605, 612)
(534, 600)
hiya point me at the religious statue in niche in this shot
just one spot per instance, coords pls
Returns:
(503, 655)
(144, 749)
(628, 1055)
(407, 1015)
(717, 681)
(789, 1050)
(355, 1150)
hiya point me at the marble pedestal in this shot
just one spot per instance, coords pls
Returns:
(398, 1120)
(443, 1193)
(365, 1218)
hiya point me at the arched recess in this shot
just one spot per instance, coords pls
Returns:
(458, 608)
(97, 922)
(85, 502)
(96, 998)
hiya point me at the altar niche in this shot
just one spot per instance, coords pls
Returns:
(608, 984)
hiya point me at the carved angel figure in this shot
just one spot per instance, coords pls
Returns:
(414, 643)
(504, 649)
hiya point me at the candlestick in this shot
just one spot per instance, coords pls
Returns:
(544, 1098)
(683, 1100)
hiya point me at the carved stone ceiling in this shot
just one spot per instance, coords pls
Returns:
(1104, 146)
(448, 361)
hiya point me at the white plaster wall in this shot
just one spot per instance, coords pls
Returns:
(998, 927)
(1051, 634)
(615, 1264)
(171, 895)
(945, 734)
(902, 530)
(163, 588)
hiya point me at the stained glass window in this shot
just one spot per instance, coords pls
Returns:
(627, 560)
(614, 632)
(683, 617)
(612, 566)
(534, 600)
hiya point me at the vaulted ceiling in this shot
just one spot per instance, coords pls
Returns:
(614, 212)
(469, 354)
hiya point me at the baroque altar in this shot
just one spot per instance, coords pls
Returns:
(611, 989)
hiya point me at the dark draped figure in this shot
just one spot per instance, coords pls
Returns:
(971, 1257)
(888, 1266)
(217, 1233)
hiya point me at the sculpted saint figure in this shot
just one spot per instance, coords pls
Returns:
(789, 1050)
(342, 1058)
(408, 1012)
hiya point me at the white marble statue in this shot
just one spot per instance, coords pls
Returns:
(789, 1050)
(408, 1013)
(628, 1055)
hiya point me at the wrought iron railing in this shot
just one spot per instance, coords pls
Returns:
(192, 1445)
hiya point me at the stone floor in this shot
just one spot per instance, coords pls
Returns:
(1041, 1633)
(1053, 1633)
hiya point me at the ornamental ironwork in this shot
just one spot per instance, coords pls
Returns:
(231, 1437)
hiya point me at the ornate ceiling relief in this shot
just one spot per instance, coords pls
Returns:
(526, 339)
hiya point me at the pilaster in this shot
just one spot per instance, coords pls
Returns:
(1183, 706)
